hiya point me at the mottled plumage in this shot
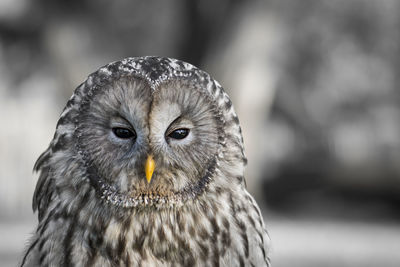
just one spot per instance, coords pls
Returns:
(99, 202)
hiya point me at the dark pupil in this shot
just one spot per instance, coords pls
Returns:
(123, 133)
(179, 133)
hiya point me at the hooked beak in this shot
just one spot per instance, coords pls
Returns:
(149, 168)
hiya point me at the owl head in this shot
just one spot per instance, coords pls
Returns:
(147, 131)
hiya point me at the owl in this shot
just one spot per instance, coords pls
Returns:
(146, 169)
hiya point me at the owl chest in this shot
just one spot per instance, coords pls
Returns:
(163, 243)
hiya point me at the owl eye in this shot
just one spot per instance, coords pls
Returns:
(124, 133)
(179, 133)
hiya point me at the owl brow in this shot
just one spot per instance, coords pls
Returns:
(179, 118)
(121, 116)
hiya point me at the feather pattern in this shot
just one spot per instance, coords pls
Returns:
(95, 208)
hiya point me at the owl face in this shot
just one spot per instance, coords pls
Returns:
(146, 145)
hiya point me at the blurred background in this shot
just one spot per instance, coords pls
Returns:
(315, 85)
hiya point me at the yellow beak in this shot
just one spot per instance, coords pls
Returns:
(149, 168)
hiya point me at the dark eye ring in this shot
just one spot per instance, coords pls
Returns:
(124, 133)
(179, 133)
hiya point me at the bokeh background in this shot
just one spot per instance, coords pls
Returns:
(315, 85)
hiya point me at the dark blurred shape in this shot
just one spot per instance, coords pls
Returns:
(205, 21)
